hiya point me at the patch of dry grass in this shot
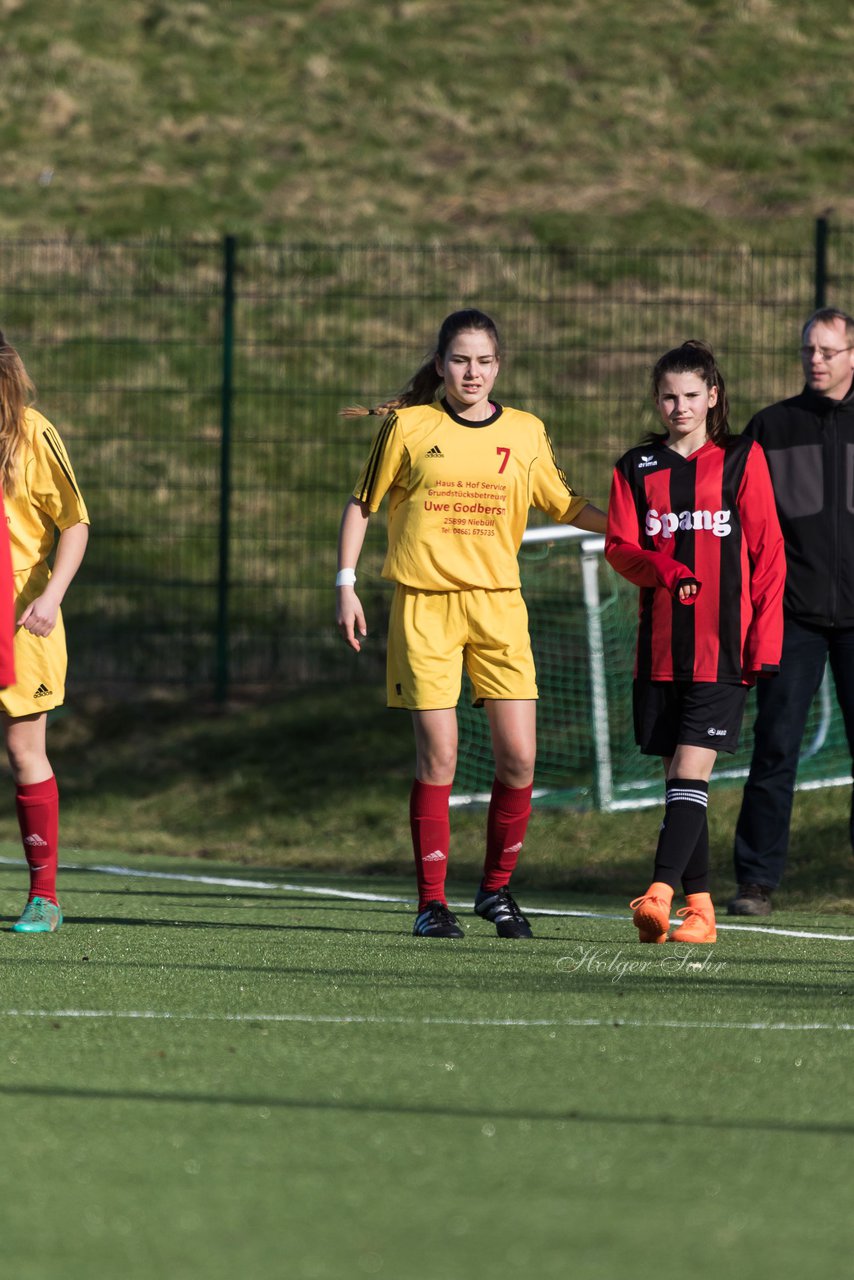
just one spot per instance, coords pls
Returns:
(545, 122)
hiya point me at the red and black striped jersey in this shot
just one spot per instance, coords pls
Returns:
(709, 518)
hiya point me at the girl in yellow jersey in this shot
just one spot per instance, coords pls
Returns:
(461, 473)
(41, 497)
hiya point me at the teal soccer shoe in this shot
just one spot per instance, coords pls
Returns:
(38, 916)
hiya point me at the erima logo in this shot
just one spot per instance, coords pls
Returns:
(647, 460)
(436, 856)
(716, 733)
(716, 522)
(435, 452)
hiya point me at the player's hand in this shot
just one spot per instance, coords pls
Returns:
(350, 618)
(687, 592)
(39, 617)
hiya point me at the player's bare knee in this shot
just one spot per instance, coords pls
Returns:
(515, 768)
(436, 768)
(26, 761)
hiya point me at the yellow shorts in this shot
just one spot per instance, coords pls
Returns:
(40, 661)
(432, 633)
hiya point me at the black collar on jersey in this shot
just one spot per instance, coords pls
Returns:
(660, 444)
(467, 422)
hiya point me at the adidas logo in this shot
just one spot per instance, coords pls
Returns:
(513, 848)
(42, 692)
(435, 452)
(35, 841)
(436, 856)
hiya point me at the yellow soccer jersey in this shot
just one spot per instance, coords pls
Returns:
(46, 498)
(459, 494)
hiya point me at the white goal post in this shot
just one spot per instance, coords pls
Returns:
(639, 794)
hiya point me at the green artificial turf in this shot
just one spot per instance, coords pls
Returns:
(210, 1079)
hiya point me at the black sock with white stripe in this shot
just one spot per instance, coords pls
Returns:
(695, 877)
(684, 820)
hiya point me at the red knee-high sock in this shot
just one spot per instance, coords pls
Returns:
(506, 824)
(430, 822)
(37, 804)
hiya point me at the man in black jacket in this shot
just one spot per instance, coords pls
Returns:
(809, 443)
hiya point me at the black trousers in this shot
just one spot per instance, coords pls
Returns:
(783, 703)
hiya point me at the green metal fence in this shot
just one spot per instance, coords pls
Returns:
(198, 387)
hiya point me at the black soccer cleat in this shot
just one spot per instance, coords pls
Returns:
(498, 906)
(751, 900)
(436, 921)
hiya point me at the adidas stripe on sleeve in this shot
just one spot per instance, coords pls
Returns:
(47, 496)
(459, 494)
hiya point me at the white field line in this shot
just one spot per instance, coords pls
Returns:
(378, 1020)
(353, 895)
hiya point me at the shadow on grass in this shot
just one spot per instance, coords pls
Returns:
(420, 1111)
(252, 926)
(305, 747)
(531, 984)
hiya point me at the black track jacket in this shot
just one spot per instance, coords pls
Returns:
(809, 443)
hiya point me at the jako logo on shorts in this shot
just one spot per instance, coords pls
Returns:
(716, 522)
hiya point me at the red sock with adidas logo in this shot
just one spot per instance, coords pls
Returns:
(506, 824)
(429, 820)
(37, 804)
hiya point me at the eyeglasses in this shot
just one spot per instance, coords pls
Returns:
(827, 353)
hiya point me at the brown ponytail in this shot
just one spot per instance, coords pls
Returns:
(16, 393)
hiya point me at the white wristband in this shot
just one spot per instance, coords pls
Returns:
(345, 578)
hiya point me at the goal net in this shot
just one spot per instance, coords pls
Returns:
(583, 620)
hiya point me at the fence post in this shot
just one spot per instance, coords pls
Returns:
(229, 248)
(821, 230)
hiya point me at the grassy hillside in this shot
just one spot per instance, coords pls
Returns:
(696, 122)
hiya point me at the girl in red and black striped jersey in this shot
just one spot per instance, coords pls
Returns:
(692, 521)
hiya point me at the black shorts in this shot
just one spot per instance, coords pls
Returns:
(683, 714)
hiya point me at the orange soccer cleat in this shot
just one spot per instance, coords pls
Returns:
(652, 912)
(698, 916)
